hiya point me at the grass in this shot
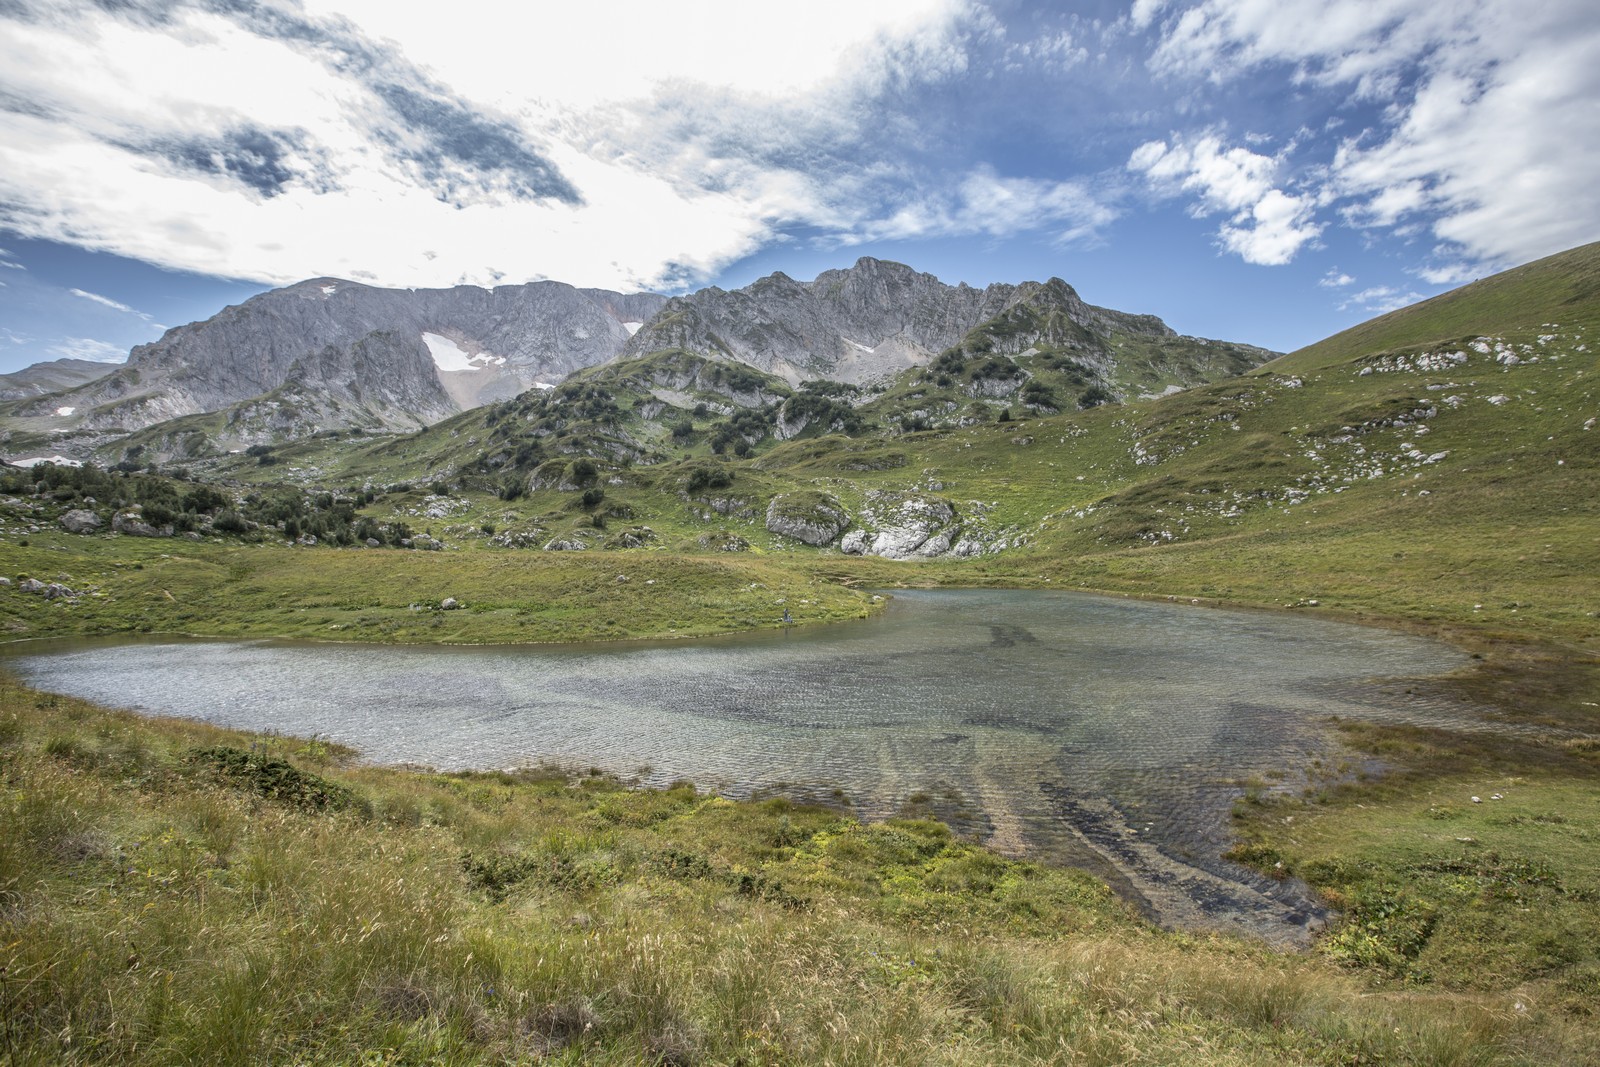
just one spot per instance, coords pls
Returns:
(140, 586)
(620, 926)
(155, 911)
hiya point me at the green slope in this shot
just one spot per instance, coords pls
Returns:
(1562, 289)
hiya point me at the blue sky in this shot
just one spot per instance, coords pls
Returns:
(1268, 171)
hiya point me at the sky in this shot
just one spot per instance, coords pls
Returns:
(1266, 171)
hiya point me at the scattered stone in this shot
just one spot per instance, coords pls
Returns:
(449, 603)
(722, 541)
(566, 544)
(31, 585)
(373, 542)
(638, 537)
(81, 521)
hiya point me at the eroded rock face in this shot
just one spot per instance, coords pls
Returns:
(814, 518)
(865, 323)
(365, 347)
(903, 526)
(81, 521)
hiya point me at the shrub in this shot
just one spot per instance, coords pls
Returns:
(272, 777)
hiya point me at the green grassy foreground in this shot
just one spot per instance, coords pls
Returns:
(157, 907)
(174, 893)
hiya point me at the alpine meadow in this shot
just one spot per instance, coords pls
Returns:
(629, 575)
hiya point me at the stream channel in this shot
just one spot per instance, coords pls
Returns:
(1109, 733)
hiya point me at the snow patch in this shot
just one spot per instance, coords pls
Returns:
(1168, 391)
(60, 461)
(448, 356)
(329, 290)
(632, 327)
(858, 346)
(65, 410)
(546, 386)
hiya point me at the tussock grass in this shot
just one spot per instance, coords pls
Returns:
(154, 911)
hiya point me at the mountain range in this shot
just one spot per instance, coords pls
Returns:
(327, 354)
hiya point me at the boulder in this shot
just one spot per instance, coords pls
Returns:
(904, 526)
(811, 517)
(638, 537)
(81, 521)
(449, 603)
(131, 524)
(565, 544)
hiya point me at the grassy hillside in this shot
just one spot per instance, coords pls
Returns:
(1562, 290)
(1437, 468)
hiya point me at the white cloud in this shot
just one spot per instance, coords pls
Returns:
(1380, 299)
(1145, 11)
(1490, 138)
(1450, 273)
(1264, 224)
(104, 300)
(89, 348)
(985, 203)
(575, 57)
(1336, 279)
(203, 143)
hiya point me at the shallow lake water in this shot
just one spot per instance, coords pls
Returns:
(1105, 732)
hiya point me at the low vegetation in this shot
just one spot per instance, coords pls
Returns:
(174, 893)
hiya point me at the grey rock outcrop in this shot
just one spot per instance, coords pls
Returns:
(452, 349)
(903, 526)
(852, 325)
(132, 525)
(81, 521)
(566, 544)
(814, 518)
(50, 590)
(876, 318)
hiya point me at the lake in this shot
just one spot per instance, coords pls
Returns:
(1110, 733)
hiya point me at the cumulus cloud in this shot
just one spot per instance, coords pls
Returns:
(1489, 135)
(1380, 299)
(1336, 279)
(280, 139)
(1263, 225)
(986, 203)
